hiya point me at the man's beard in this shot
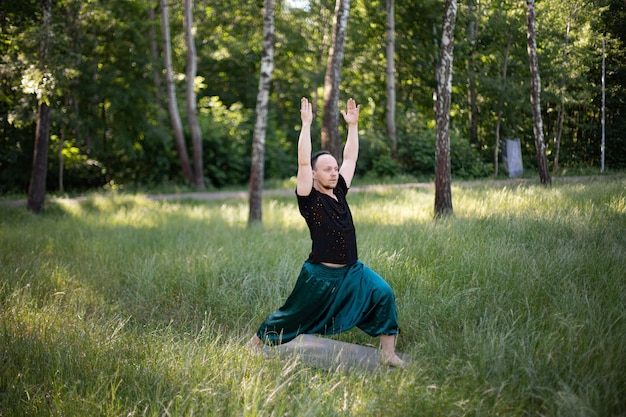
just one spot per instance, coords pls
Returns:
(327, 186)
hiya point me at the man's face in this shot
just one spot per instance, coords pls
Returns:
(326, 172)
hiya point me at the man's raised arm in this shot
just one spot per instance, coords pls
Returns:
(305, 171)
(351, 150)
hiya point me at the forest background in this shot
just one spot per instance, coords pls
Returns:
(105, 84)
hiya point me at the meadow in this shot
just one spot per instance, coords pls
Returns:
(121, 305)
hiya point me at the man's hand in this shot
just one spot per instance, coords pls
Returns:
(306, 112)
(305, 172)
(352, 115)
(351, 149)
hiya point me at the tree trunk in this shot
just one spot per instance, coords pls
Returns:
(192, 113)
(257, 166)
(391, 80)
(557, 134)
(535, 91)
(443, 191)
(177, 124)
(39, 171)
(496, 151)
(37, 186)
(61, 159)
(330, 118)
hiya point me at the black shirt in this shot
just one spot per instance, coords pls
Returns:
(330, 225)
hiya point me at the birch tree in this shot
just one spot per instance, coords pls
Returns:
(37, 185)
(443, 191)
(192, 111)
(535, 92)
(257, 166)
(177, 125)
(330, 118)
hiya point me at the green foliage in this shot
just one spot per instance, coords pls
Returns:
(105, 86)
(417, 150)
(82, 172)
(227, 138)
(466, 161)
(16, 151)
(128, 305)
(375, 158)
(416, 153)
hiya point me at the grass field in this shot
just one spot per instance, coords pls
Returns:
(124, 306)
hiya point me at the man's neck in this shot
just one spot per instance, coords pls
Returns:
(328, 191)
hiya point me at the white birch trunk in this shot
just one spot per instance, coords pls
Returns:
(535, 93)
(257, 166)
(177, 124)
(443, 191)
(192, 112)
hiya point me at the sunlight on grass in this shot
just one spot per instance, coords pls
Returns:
(121, 305)
(617, 204)
(392, 207)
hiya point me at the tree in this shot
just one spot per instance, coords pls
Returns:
(37, 186)
(106, 121)
(443, 192)
(615, 77)
(192, 114)
(257, 166)
(535, 91)
(391, 79)
(567, 45)
(177, 124)
(330, 119)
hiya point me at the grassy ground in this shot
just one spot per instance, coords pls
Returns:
(124, 306)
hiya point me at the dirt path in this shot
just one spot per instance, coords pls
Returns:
(223, 195)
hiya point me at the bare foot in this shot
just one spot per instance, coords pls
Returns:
(388, 352)
(393, 361)
(255, 345)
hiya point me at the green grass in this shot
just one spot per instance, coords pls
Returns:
(123, 306)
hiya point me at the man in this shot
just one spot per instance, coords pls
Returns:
(334, 291)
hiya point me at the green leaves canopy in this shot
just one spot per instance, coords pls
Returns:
(108, 105)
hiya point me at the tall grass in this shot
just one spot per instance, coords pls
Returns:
(124, 306)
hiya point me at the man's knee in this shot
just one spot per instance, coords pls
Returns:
(384, 292)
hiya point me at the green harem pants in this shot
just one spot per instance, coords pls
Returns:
(327, 300)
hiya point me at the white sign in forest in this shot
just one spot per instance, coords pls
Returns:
(512, 157)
